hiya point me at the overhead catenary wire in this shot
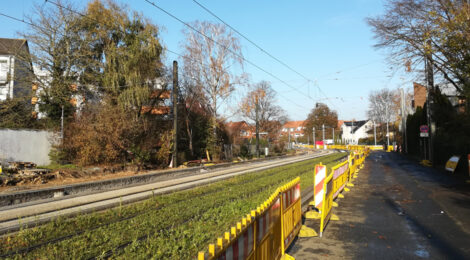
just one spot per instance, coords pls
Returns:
(85, 16)
(225, 47)
(260, 48)
(286, 98)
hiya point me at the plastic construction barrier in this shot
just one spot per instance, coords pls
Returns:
(264, 234)
(352, 166)
(319, 176)
(326, 212)
(340, 177)
(291, 212)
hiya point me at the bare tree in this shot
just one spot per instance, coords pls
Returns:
(434, 30)
(195, 105)
(208, 60)
(270, 116)
(383, 106)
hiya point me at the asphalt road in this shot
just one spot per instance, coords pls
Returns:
(397, 209)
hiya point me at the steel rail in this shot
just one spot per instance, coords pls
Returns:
(14, 219)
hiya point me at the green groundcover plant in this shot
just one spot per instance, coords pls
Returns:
(171, 226)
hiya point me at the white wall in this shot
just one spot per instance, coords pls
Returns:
(353, 138)
(26, 145)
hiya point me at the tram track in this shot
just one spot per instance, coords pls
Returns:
(32, 215)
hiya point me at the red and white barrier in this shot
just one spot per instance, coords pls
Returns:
(320, 175)
(241, 248)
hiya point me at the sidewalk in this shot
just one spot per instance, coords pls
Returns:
(396, 210)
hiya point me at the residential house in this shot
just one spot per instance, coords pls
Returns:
(239, 131)
(295, 128)
(448, 90)
(160, 107)
(15, 68)
(352, 131)
(457, 100)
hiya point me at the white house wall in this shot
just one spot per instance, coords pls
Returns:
(353, 138)
(6, 68)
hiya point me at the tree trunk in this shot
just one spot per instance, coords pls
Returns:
(190, 136)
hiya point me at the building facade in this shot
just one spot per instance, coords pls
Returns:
(352, 131)
(15, 68)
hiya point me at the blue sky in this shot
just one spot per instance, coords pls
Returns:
(326, 41)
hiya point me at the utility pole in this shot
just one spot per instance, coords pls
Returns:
(288, 145)
(387, 117)
(388, 135)
(175, 115)
(430, 82)
(257, 126)
(323, 127)
(333, 135)
(403, 120)
(62, 125)
(314, 143)
(375, 136)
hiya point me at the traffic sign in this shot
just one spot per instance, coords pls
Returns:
(424, 129)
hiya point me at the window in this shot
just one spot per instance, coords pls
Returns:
(3, 71)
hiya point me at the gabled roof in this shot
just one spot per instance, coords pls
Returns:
(355, 124)
(11, 46)
(293, 124)
(160, 93)
(162, 110)
(340, 124)
(237, 125)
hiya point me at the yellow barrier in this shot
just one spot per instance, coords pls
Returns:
(267, 232)
(291, 212)
(327, 203)
(375, 147)
(352, 166)
(340, 177)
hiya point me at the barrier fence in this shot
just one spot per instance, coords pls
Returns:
(268, 231)
(347, 147)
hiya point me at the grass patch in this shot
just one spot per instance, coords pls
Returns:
(56, 166)
(172, 226)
